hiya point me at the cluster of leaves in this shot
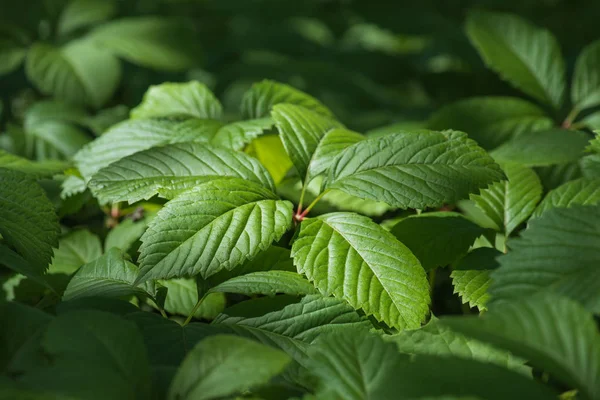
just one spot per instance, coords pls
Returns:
(185, 253)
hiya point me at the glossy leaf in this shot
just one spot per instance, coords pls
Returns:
(351, 257)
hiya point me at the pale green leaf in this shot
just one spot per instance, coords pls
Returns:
(108, 276)
(223, 365)
(296, 325)
(71, 186)
(555, 334)
(583, 191)
(471, 276)
(270, 152)
(357, 365)
(332, 144)
(173, 168)
(355, 259)
(491, 121)
(555, 146)
(191, 99)
(53, 110)
(261, 97)
(414, 169)
(130, 137)
(237, 135)
(83, 13)
(154, 42)
(524, 55)
(437, 339)
(28, 221)
(74, 250)
(44, 169)
(182, 296)
(560, 252)
(266, 283)
(124, 235)
(79, 73)
(56, 140)
(585, 90)
(301, 130)
(106, 118)
(11, 56)
(214, 226)
(437, 239)
(509, 203)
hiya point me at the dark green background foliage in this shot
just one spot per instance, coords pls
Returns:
(324, 199)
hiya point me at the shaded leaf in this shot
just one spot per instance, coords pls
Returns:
(83, 13)
(583, 191)
(74, 250)
(585, 90)
(471, 276)
(267, 283)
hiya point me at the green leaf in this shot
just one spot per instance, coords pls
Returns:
(295, 326)
(116, 364)
(130, 137)
(83, 13)
(355, 259)
(583, 191)
(55, 140)
(261, 97)
(471, 276)
(414, 169)
(44, 169)
(357, 365)
(74, 250)
(172, 169)
(585, 90)
(555, 146)
(526, 56)
(124, 235)
(191, 99)
(52, 110)
(491, 121)
(153, 42)
(555, 334)
(217, 225)
(267, 283)
(28, 221)
(11, 56)
(182, 296)
(223, 365)
(437, 339)
(509, 203)
(270, 152)
(79, 73)
(437, 238)
(106, 118)
(301, 130)
(108, 276)
(558, 251)
(332, 144)
(237, 135)
(18, 264)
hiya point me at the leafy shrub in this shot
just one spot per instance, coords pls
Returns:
(176, 251)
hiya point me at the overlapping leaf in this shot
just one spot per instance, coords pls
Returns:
(585, 91)
(355, 259)
(583, 191)
(471, 276)
(74, 250)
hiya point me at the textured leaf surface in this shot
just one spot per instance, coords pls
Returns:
(215, 226)
(191, 99)
(583, 191)
(555, 334)
(332, 144)
(74, 250)
(357, 365)
(491, 121)
(238, 134)
(437, 339)
(78, 73)
(133, 136)
(108, 276)
(154, 42)
(28, 221)
(295, 326)
(509, 203)
(301, 130)
(556, 146)
(414, 169)
(437, 238)
(560, 252)
(526, 56)
(267, 283)
(351, 257)
(262, 96)
(223, 365)
(471, 276)
(585, 91)
(173, 167)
